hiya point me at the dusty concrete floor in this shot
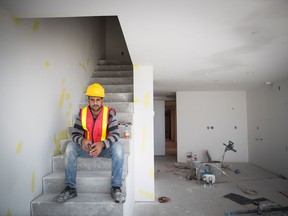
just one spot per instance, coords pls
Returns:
(187, 197)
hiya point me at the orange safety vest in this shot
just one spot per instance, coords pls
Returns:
(95, 131)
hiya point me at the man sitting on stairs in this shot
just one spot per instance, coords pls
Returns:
(95, 134)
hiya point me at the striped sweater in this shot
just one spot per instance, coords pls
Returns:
(112, 129)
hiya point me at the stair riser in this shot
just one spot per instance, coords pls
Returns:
(88, 164)
(115, 97)
(77, 209)
(125, 107)
(98, 74)
(118, 88)
(114, 62)
(114, 67)
(125, 142)
(112, 81)
(84, 185)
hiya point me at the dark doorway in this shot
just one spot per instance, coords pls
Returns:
(170, 128)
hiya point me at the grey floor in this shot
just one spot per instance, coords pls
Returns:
(187, 197)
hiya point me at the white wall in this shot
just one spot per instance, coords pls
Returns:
(267, 111)
(159, 128)
(143, 133)
(222, 110)
(44, 66)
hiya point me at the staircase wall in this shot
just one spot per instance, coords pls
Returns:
(44, 65)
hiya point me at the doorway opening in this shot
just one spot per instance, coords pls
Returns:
(170, 128)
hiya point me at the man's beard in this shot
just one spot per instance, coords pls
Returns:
(96, 108)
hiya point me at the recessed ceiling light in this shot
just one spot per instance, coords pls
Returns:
(268, 83)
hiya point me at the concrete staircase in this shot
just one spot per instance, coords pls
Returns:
(93, 174)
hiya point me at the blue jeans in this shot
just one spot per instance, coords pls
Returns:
(73, 151)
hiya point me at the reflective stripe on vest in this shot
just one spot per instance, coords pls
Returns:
(83, 120)
(95, 130)
(104, 123)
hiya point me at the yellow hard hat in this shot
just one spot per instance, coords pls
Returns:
(95, 90)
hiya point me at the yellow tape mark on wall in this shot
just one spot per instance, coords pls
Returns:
(63, 81)
(35, 26)
(146, 194)
(83, 66)
(67, 113)
(69, 123)
(136, 100)
(147, 100)
(144, 138)
(16, 20)
(67, 96)
(70, 106)
(61, 100)
(136, 67)
(19, 147)
(33, 181)
(151, 173)
(57, 140)
(8, 213)
(46, 64)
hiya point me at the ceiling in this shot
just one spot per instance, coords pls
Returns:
(193, 45)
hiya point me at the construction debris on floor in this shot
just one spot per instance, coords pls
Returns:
(187, 197)
(163, 199)
(264, 208)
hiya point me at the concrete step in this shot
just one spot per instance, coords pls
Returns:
(87, 164)
(119, 97)
(115, 97)
(120, 107)
(112, 81)
(87, 182)
(114, 67)
(126, 73)
(114, 62)
(84, 204)
(125, 142)
(118, 88)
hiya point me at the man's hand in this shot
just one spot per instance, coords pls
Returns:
(96, 148)
(85, 144)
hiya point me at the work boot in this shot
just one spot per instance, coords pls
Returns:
(117, 195)
(66, 194)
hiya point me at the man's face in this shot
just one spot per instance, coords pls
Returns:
(95, 103)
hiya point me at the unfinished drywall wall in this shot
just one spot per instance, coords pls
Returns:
(267, 112)
(206, 120)
(45, 65)
(143, 133)
(159, 128)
